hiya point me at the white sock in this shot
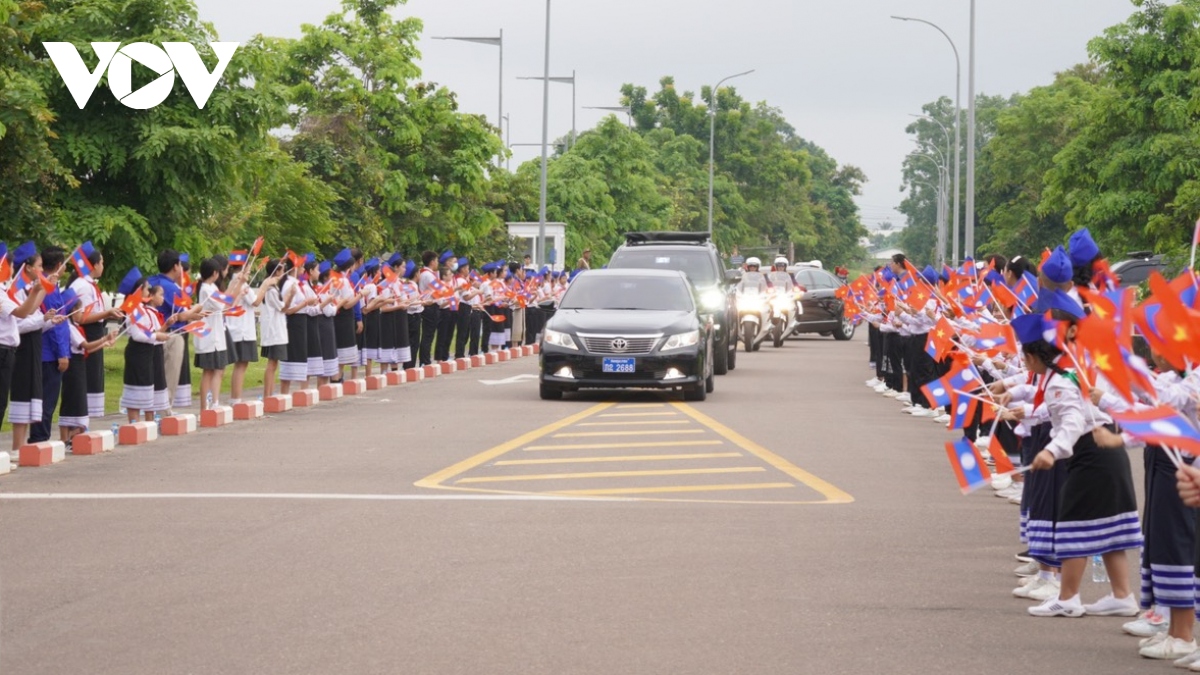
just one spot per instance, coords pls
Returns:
(1048, 576)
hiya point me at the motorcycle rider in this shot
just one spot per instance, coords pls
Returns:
(752, 279)
(779, 277)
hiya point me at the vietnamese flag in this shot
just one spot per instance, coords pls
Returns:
(1098, 336)
(1179, 335)
(258, 243)
(941, 339)
(182, 301)
(5, 269)
(999, 456)
(132, 301)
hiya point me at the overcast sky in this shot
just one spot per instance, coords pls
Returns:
(844, 73)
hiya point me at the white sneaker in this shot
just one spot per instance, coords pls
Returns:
(1153, 639)
(910, 409)
(983, 442)
(904, 397)
(1000, 482)
(1171, 648)
(1110, 606)
(1015, 500)
(942, 419)
(880, 388)
(891, 393)
(1147, 625)
(1071, 608)
(1189, 660)
(1040, 585)
(1011, 491)
(1046, 592)
(1029, 569)
(925, 413)
(874, 382)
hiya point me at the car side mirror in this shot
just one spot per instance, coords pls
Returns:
(548, 307)
(733, 276)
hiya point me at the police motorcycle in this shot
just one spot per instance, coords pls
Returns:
(754, 306)
(785, 307)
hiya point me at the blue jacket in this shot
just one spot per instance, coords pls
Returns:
(56, 341)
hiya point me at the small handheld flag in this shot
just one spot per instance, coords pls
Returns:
(968, 465)
(223, 299)
(82, 265)
(198, 328)
(132, 301)
(1161, 426)
(258, 244)
(238, 257)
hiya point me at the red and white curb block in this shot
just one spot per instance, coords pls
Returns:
(330, 392)
(448, 367)
(137, 433)
(462, 364)
(478, 361)
(93, 443)
(217, 416)
(377, 382)
(305, 398)
(248, 410)
(414, 374)
(178, 425)
(354, 387)
(279, 403)
(42, 454)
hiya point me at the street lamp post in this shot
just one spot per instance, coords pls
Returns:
(942, 204)
(957, 125)
(970, 235)
(564, 80)
(507, 142)
(942, 225)
(615, 108)
(496, 42)
(712, 135)
(540, 249)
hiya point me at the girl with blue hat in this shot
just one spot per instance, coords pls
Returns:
(145, 378)
(93, 318)
(25, 396)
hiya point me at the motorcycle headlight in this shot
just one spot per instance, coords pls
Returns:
(553, 337)
(782, 304)
(688, 339)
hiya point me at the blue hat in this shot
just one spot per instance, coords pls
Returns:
(396, 260)
(24, 253)
(1033, 327)
(87, 248)
(372, 265)
(446, 256)
(309, 258)
(3, 250)
(500, 263)
(1057, 299)
(929, 274)
(994, 277)
(1057, 267)
(1083, 248)
(410, 267)
(487, 267)
(324, 267)
(130, 282)
(463, 262)
(185, 258)
(888, 275)
(343, 258)
(944, 276)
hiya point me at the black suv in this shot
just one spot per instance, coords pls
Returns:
(695, 255)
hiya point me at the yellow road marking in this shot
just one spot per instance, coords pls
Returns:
(674, 488)
(608, 474)
(622, 424)
(833, 494)
(435, 480)
(627, 458)
(615, 446)
(662, 414)
(642, 405)
(631, 432)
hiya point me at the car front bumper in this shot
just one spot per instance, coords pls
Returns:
(650, 371)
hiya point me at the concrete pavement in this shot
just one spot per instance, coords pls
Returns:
(869, 560)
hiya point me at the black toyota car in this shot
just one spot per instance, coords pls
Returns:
(628, 328)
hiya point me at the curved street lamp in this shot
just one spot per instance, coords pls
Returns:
(712, 134)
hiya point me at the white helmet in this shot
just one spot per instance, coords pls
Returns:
(781, 260)
(753, 262)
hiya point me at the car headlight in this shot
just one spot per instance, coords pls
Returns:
(553, 337)
(688, 339)
(712, 300)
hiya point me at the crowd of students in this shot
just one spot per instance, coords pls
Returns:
(1034, 362)
(309, 320)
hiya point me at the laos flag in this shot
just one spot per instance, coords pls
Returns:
(1161, 426)
(968, 465)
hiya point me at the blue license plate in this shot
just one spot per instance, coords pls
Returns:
(619, 365)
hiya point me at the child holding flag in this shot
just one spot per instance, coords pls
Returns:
(25, 404)
(211, 355)
(88, 264)
(145, 366)
(272, 321)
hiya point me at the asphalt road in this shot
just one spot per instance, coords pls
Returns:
(795, 522)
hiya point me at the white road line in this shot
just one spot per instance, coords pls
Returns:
(315, 496)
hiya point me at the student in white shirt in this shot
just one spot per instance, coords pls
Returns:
(272, 322)
(211, 355)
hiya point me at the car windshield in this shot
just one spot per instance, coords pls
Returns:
(696, 264)
(647, 293)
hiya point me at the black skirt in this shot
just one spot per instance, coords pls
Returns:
(25, 399)
(94, 368)
(275, 352)
(345, 328)
(244, 352)
(295, 367)
(400, 328)
(387, 337)
(73, 410)
(1170, 531)
(1039, 498)
(1098, 509)
(371, 336)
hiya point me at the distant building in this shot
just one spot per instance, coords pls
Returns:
(556, 242)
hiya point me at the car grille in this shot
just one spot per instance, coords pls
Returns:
(633, 346)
